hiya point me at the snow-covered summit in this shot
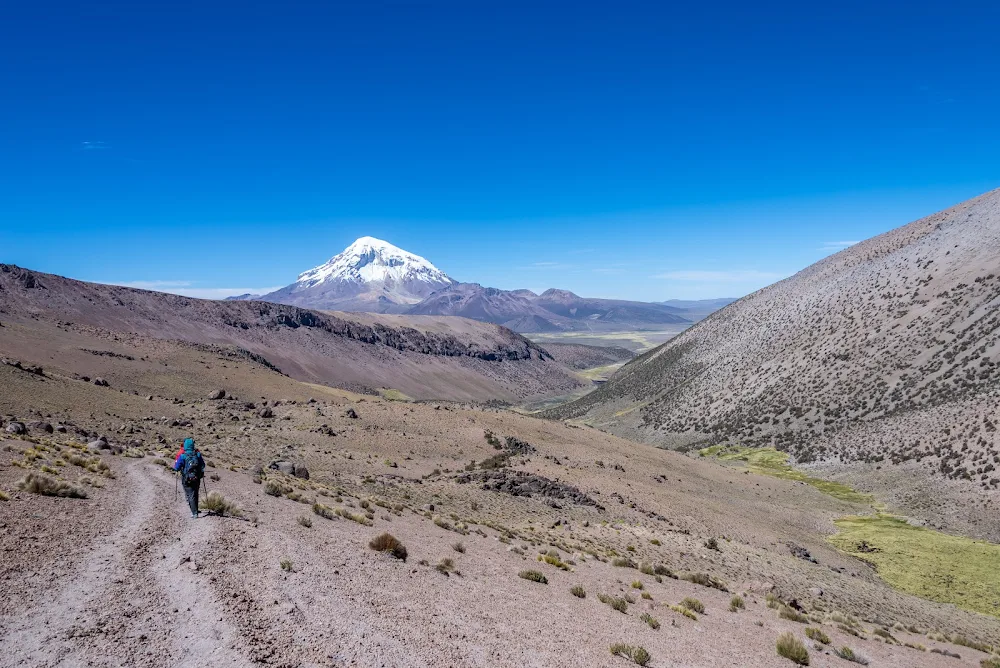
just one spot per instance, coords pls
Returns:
(370, 260)
(369, 275)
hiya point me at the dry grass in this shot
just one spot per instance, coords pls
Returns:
(694, 605)
(619, 604)
(578, 591)
(651, 621)
(304, 521)
(736, 604)
(388, 543)
(681, 610)
(286, 564)
(849, 654)
(534, 576)
(216, 503)
(792, 649)
(637, 655)
(817, 634)
(37, 483)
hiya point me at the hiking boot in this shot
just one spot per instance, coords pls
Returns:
(194, 516)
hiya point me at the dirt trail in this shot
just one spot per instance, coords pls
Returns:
(136, 598)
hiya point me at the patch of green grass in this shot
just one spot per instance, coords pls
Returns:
(768, 461)
(554, 561)
(390, 394)
(684, 611)
(923, 562)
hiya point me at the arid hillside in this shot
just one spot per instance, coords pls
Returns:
(49, 320)
(884, 353)
(512, 540)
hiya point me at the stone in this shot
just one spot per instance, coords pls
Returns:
(351, 413)
(41, 426)
(287, 468)
(15, 428)
(265, 412)
(301, 472)
(100, 382)
(218, 394)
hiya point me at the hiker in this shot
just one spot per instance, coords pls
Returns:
(192, 468)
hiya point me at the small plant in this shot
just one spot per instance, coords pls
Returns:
(37, 483)
(216, 503)
(445, 566)
(694, 605)
(705, 580)
(992, 662)
(458, 547)
(623, 562)
(985, 648)
(388, 543)
(712, 544)
(655, 541)
(817, 634)
(534, 576)
(274, 488)
(354, 517)
(619, 604)
(646, 596)
(4, 496)
(663, 571)
(792, 649)
(774, 602)
(638, 655)
(650, 620)
(637, 585)
(304, 521)
(680, 609)
(554, 561)
(849, 654)
(792, 614)
(324, 511)
(286, 564)
(736, 604)
(578, 591)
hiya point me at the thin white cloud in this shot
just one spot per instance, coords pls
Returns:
(187, 289)
(732, 276)
(545, 264)
(836, 245)
(93, 145)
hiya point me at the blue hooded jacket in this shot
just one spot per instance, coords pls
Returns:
(188, 451)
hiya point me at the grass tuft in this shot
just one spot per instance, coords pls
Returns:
(650, 620)
(637, 655)
(216, 503)
(694, 605)
(388, 543)
(817, 634)
(37, 483)
(534, 576)
(619, 604)
(578, 591)
(791, 648)
(736, 604)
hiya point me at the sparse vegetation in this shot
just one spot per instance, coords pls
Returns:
(324, 511)
(38, 483)
(216, 503)
(705, 580)
(578, 591)
(786, 612)
(616, 603)
(791, 648)
(694, 605)
(712, 544)
(458, 547)
(388, 543)
(445, 566)
(651, 621)
(637, 655)
(304, 521)
(736, 604)
(816, 634)
(534, 576)
(849, 654)
(680, 609)
(286, 564)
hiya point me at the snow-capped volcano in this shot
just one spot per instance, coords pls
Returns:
(369, 275)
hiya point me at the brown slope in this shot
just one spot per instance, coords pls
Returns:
(480, 362)
(901, 325)
(580, 356)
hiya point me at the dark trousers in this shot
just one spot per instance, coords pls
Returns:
(191, 493)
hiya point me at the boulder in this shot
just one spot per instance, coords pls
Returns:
(218, 394)
(100, 382)
(41, 426)
(301, 472)
(287, 468)
(98, 445)
(351, 413)
(61, 428)
(265, 412)
(15, 428)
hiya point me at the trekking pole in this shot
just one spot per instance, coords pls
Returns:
(175, 485)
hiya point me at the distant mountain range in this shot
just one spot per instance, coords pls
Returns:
(374, 276)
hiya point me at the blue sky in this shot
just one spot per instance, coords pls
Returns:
(616, 149)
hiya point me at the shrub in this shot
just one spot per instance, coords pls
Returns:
(286, 564)
(638, 655)
(655, 541)
(637, 585)
(623, 562)
(736, 604)
(216, 503)
(555, 561)
(705, 580)
(646, 596)
(386, 542)
(37, 483)
(992, 662)
(792, 649)
(274, 488)
(694, 605)
(324, 511)
(885, 635)
(534, 576)
(619, 604)
(650, 620)
(348, 515)
(305, 521)
(660, 569)
(985, 648)
(684, 611)
(817, 634)
(849, 654)
(445, 566)
(794, 615)
(458, 547)
(578, 591)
